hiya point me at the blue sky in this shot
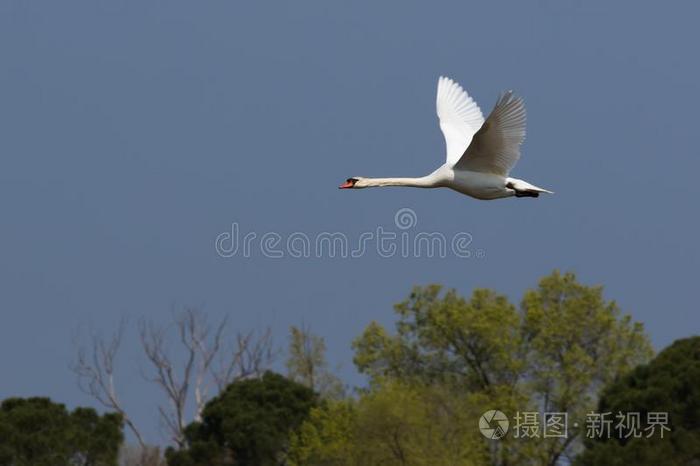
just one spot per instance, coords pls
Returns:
(133, 133)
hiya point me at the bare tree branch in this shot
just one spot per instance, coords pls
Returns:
(185, 358)
(249, 356)
(207, 352)
(94, 368)
(175, 388)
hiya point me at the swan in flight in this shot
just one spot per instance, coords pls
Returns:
(480, 154)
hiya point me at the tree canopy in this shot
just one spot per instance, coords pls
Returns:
(450, 356)
(434, 382)
(306, 363)
(669, 384)
(394, 423)
(248, 424)
(39, 432)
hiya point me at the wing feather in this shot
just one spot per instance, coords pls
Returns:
(460, 117)
(495, 148)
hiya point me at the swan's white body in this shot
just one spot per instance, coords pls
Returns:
(480, 153)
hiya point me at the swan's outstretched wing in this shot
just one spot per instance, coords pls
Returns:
(495, 148)
(460, 117)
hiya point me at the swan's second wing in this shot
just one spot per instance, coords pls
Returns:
(460, 117)
(495, 148)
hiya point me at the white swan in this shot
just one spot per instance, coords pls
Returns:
(480, 154)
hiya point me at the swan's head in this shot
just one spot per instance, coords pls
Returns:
(353, 183)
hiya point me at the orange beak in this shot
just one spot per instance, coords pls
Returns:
(347, 185)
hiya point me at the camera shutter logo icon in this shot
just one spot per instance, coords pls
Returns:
(493, 424)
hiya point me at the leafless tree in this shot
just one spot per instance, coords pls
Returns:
(193, 333)
(248, 356)
(185, 360)
(94, 367)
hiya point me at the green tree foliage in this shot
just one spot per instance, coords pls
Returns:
(39, 432)
(248, 424)
(327, 437)
(306, 363)
(443, 338)
(393, 424)
(552, 354)
(306, 355)
(668, 384)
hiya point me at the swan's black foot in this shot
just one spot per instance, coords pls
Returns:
(527, 194)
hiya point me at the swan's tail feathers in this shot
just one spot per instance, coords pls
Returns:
(525, 189)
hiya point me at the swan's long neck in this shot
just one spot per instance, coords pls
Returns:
(422, 182)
